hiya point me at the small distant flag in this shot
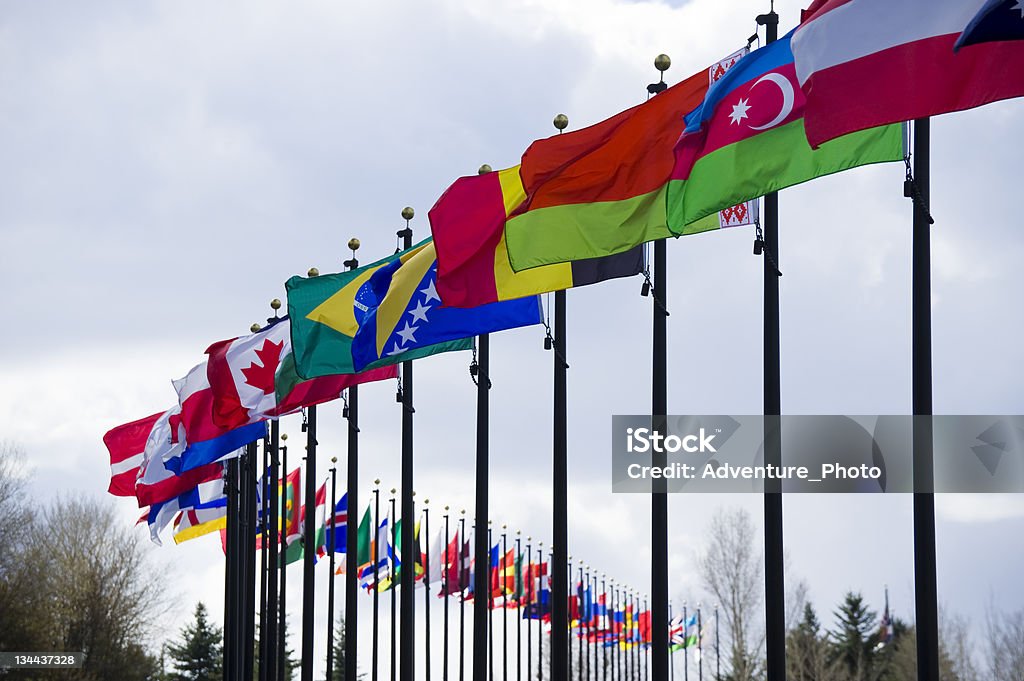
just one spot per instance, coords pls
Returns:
(885, 632)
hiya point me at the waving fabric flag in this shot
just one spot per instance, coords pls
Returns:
(747, 139)
(127, 447)
(468, 224)
(339, 537)
(601, 190)
(253, 378)
(404, 314)
(156, 482)
(996, 20)
(161, 514)
(865, 63)
(200, 520)
(205, 441)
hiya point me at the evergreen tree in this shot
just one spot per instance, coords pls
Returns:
(339, 652)
(807, 650)
(290, 663)
(854, 639)
(199, 655)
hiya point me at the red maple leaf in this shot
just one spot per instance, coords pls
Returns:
(262, 377)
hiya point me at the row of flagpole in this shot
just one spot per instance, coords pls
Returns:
(241, 568)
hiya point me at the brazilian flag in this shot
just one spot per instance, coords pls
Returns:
(385, 313)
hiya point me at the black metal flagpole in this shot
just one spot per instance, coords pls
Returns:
(490, 611)
(392, 569)
(309, 547)
(519, 583)
(426, 586)
(375, 543)
(231, 571)
(408, 577)
(481, 589)
(925, 580)
(268, 664)
(718, 655)
(248, 544)
(503, 586)
(330, 551)
(282, 633)
(774, 558)
(560, 491)
(445, 571)
(351, 412)
(463, 585)
(700, 646)
(531, 600)
(579, 627)
(686, 645)
(264, 550)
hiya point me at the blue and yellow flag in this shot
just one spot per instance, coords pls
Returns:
(399, 311)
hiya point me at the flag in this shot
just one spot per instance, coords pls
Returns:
(368, 543)
(865, 63)
(205, 441)
(290, 511)
(404, 314)
(162, 513)
(339, 537)
(468, 224)
(156, 482)
(253, 378)
(200, 520)
(319, 520)
(747, 139)
(601, 190)
(456, 567)
(434, 552)
(676, 634)
(996, 20)
(127, 446)
(326, 312)
(885, 631)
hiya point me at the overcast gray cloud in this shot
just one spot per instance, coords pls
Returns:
(166, 166)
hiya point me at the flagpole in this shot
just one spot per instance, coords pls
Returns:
(560, 492)
(686, 645)
(925, 584)
(445, 568)
(463, 577)
(248, 539)
(518, 590)
(481, 588)
(375, 543)
(351, 412)
(504, 603)
(308, 545)
(230, 570)
(531, 599)
(268, 664)
(262, 675)
(700, 647)
(330, 550)
(393, 528)
(408, 577)
(491, 612)
(282, 634)
(586, 630)
(671, 658)
(426, 586)
(774, 569)
(579, 626)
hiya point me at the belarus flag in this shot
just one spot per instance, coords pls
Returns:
(865, 63)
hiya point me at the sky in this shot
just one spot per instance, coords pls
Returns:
(166, 166)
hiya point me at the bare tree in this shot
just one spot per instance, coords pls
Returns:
(731, 569)
(1005, 634)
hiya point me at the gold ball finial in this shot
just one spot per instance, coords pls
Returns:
(313, 272)
(376, 481)
(254, 328)
(334, 459)
(426, 501)
(446, 507)
(561, 122)
(408, 213)
(284, 436)
(484, 169)
(393, 490)
(662, 62)
(462, 512)
(518, 533)
(504, 526)
(275, 304)
(353, 244)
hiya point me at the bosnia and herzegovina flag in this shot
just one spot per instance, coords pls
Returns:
(746, 139)
(473, 268)
(387, 312)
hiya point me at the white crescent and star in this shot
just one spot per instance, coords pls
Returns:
(740, 109)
